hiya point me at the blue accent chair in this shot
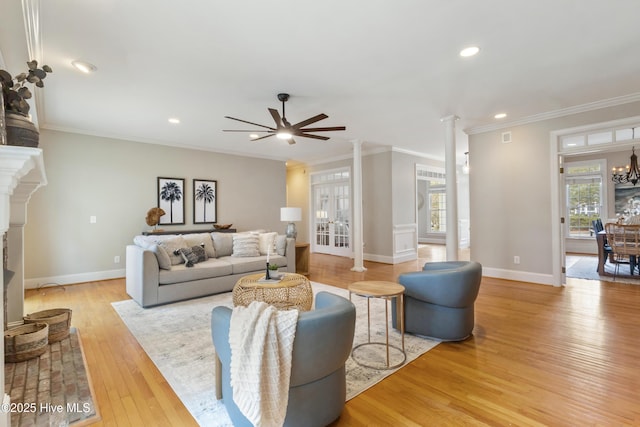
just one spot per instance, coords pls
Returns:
(439, 300)
(321, 347)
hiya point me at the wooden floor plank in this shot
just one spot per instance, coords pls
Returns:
(539, 355)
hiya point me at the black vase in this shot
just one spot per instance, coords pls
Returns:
(20, 130)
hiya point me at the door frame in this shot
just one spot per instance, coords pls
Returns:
(348, 252)
(558, 157)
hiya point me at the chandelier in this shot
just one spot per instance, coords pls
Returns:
(631, 174)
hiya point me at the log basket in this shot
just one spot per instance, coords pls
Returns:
(58, 319)
(25, 342)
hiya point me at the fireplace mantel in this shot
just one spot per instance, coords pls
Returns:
(21, 174)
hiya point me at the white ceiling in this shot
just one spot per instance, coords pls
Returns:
(387, 70)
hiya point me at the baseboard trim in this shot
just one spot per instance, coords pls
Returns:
(69, 279)
(521, 276)
(403, 257)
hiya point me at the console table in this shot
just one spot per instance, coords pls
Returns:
(188, 231)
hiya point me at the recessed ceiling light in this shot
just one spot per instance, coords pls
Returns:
(174, 120)
(84, 66)
(469, 51)
(253, 135)
(500, 115)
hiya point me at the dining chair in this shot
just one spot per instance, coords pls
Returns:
(598, 227)
(624, 241)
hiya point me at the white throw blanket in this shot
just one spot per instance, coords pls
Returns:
(261, 341)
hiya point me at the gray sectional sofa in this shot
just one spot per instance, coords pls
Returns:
(166, 268)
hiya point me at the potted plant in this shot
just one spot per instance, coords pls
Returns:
(273, 271)
(20, 130)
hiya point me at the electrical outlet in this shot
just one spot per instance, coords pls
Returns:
(93, 219)
(516, 259)
(116, 259)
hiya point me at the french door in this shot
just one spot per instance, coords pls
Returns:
(332, 213)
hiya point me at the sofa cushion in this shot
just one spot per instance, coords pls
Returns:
(253, 264)
(222, 243)
(201, 239)
(193, 255)
(171, 245)
(212, 267)
(245, 245)
(266, 243)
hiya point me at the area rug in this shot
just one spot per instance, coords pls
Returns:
(585, 267)
(177, 338)
(53, 389)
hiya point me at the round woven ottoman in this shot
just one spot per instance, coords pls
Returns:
(291, 291)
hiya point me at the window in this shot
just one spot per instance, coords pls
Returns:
(584, 193)
(437, 207)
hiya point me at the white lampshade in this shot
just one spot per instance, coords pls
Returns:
(290, 214)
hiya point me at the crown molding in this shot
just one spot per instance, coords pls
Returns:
(611, 102)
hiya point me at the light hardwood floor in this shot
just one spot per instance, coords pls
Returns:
(539, 355)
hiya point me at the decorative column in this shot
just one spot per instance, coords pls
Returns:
(358, 243)
(451, 187)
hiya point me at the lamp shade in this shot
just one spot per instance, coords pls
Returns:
(290, 214)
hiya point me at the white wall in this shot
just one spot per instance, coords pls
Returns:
(116, 181)
(510, 194)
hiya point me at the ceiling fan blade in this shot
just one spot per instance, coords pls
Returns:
(251, 123)
(306, 135)
(276, 117)
(262, 137)
(238, 130)
(310, 120)
(327, 129)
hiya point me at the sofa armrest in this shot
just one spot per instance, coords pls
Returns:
(142, 275)
(324, 338)
(290, 253)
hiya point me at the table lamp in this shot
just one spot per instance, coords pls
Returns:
(291, 215)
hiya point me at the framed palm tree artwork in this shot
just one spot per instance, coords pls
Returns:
(205, 201)
(171, 200)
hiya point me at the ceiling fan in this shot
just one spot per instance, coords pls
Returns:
(285, 130)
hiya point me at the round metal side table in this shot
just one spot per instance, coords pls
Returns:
(386, 291)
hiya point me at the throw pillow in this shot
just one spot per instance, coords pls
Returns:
(201, 239)
(192, 255)
(222, 243)
(151, 243)
(164, 262)
(281, 244)
(171, 245)
(266, 243)
(245, 245)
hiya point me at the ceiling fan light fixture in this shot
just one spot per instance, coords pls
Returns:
(284, 135)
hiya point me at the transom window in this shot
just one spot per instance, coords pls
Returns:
(601, 136)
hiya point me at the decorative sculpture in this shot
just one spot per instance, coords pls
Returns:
(153, 217)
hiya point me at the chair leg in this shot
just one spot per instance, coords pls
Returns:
(218, 373)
